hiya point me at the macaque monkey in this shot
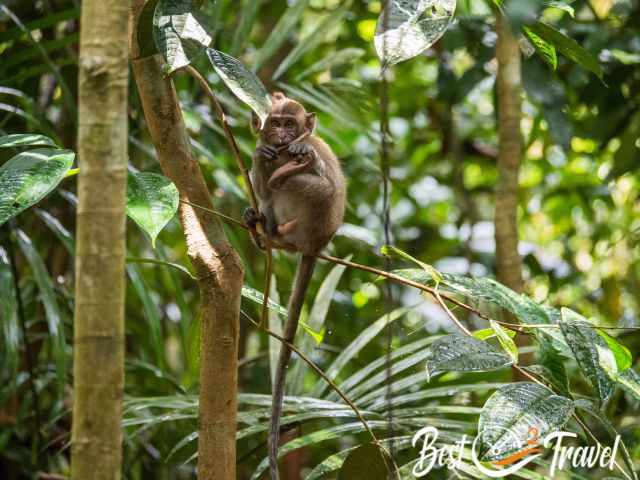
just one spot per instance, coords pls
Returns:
(301, 196)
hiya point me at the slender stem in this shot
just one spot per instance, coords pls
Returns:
(227, 133)
(319, 371)
(267, 284)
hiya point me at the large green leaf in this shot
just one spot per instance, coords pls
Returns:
(408, 27)
(178, 34)
(152, 200)
(29, 176)
(509, 415)
(242, 82)
(568, 47)
(460, 353)
(26, 140)
(488, 290)
(367, 461)
(591, 351)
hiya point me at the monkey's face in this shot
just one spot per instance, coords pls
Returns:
(281, 129)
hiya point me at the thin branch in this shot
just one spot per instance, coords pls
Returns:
(227, 133)
(319, 371)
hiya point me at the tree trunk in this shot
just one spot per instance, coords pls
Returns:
(217, 264)
(98, 364)
(508, 261)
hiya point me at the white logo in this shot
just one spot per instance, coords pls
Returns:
(452, 456)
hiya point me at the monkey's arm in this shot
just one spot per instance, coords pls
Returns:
(288, 170)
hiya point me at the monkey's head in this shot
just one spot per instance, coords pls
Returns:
(286, 122)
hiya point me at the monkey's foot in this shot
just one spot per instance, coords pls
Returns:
(252, 218)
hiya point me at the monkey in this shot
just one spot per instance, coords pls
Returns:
(301, 195)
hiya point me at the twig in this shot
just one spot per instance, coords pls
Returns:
(319, 371)
(227, 133)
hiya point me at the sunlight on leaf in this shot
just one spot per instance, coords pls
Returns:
(242, 82)
(152, 201)
(29, 177)
(411, 26)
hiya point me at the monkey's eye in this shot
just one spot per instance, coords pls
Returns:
(275, 123)
(289, 124)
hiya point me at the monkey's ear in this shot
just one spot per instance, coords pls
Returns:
(256, 124)
(310, 122)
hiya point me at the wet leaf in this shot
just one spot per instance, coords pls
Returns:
(411, 26)
(25, 140)
(459, 353)
(242, 82)
(29, 177)
(178, 34)
(152, 201)
(511, 414)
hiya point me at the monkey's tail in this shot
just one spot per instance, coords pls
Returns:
(304, 272)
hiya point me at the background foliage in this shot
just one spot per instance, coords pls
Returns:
(578, 217)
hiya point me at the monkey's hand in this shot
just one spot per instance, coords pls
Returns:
(252, 218)
(267, 152)
(300, 149)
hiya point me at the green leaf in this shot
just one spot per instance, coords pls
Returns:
(545, 49)
(505, 341)
(50, 303)
(178, 34)
(29, 177)
(460, 353)
(622, 355)
(242, 82)
(25, 140)
(487, 333)
(409, 28)
(564, 6)
(594, 357)
(630, 380)
(553, 362)
(367, 461)
(389, 250)
(568, 47)
(512, 411)
(280, 33)
(152, 200)
(315, 38)
(257, 297)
